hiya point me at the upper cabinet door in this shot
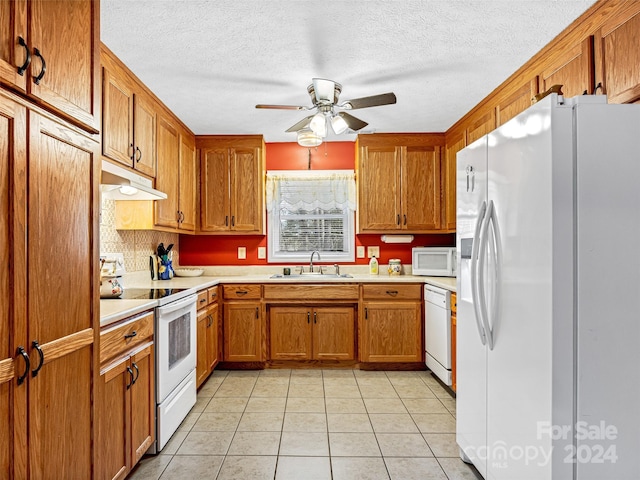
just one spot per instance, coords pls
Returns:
(421, 188)
(13, 50)
(63, 43)
(144, 122)
(167, 179)
(379, 188)
(618, 55)
(455, 143)
(117, 118)
(573, 69)
(188, 167)
(246, 190)
(214, 190)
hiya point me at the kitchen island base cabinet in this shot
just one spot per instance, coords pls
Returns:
(312, 333)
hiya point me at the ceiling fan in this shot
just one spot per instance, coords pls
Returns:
(324, 97)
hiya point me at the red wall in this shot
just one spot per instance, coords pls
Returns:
(223, 250)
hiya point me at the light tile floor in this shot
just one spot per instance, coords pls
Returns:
(314, 424)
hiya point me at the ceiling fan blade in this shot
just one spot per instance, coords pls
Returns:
(353, 122)
(283, 107)
(301, 124)
(324, 89)
(372, 101)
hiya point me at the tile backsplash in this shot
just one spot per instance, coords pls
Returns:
(136, 245)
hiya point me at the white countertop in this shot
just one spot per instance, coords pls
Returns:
(113, 310)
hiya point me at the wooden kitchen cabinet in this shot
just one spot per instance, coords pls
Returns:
(454, 327)
(516, 101)
(572, 68)
(454, 143)
(231, 184)
(125, 420)
(65, 37)
(399, 186)
(617, 54)
(128, 118)
(47, 406)
(391, 323)
(207, 335)
(483, 123)
(312, 333)
(243, 324)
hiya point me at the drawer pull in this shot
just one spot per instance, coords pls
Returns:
(202, 300)
(35, 345)
(131, 335)
(393, 293)
(241, 292)
(214, 294)
(27, 365)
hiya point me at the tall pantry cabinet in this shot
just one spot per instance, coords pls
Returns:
(49, 172)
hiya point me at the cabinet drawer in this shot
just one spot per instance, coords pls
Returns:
(311, 292)
(122, 337)
(242, 291)
(213, 294)
(203, 299)
(392, 292)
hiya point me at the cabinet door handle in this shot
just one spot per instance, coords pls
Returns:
(405, 218)
(398, 219)
(139, 156)
(27, 364)
(36, 79)
(308, 317)
(131, 335)
(393, 293)
(226, 220)
(36, 345)
(233, 220)
(137, 372)
(131, 376)
(315, 317)
(366, 313)
(257, 312)
(22, 68)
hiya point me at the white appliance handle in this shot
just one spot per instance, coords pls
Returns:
(496, 248)
(482, 299)
(177, 305)
(474, 270)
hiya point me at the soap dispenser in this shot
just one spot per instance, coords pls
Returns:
(373, 266)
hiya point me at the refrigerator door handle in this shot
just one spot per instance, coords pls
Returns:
(497, 250)
(481, 294)
(474, 271)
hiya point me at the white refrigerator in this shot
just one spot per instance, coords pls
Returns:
(548, 331)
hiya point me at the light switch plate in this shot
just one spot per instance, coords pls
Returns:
(242, 253)
(360, 251)
(262, 253)
(371, 251)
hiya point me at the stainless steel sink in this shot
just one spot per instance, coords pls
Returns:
(314, 275)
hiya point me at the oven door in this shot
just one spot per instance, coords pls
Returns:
(175, 344)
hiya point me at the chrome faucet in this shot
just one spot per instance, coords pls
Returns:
(311, 261)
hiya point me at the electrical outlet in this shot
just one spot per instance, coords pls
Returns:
(242, 253)
(262, 253)
(360, 251)
(373, 251)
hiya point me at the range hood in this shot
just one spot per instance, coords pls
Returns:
(118, 183)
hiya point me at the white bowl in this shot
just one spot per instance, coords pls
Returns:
(188, 272)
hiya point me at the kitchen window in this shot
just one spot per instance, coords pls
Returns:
(311, 211)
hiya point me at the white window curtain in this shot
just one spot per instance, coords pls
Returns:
(302, 187)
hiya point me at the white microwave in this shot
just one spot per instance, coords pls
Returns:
(434, 261)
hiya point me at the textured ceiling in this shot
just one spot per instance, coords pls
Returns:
(211, 62)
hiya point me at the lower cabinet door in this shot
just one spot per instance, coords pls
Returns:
(202, 370)
(112, 420)
(212, 338)
(392, 332)
(243, 332)
(143, 403)
(290, 333)
(334, 333)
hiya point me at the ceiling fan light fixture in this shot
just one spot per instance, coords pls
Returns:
(338, 124)
(319, 124)
(308, 138)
